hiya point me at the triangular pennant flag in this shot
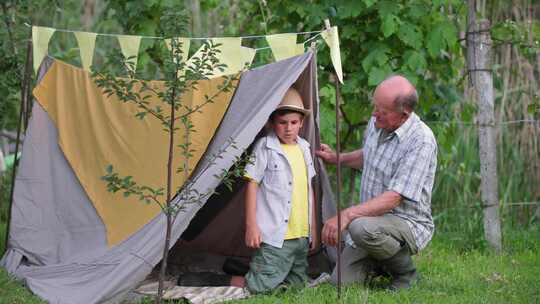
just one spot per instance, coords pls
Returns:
(299, 49)
(247, 56)
(184, 47)
(283, 46)
(40, 43)
(130, 46)
(232, 54)
(87, 42)
(331, 38)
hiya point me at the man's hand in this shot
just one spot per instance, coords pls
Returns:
(327, 154)
(253, 236)
(330, 230)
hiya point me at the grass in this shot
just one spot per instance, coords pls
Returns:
(451, 273)
(14, 292)
(456, 267)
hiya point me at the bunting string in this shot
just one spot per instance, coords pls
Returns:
(233, 54)
(191, 38)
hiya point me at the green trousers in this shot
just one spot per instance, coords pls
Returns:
(375, 238)
(270, 266)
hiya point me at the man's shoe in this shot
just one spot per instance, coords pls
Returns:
(199, 279)
(402, 270)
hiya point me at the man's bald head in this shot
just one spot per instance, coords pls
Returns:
(400, 91)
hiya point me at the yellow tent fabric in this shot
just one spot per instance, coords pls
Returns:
(95, 131)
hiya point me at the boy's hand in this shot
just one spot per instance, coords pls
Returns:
(253, 236)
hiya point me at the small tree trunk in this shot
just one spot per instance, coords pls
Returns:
(196, 24)
(88, 13)
(25, 87)
(168, 211)
(479, 55)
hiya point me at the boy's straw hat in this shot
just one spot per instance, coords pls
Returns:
(292, 101)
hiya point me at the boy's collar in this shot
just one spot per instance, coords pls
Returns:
(274, 143)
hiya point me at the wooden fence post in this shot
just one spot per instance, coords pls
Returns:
(480, 73)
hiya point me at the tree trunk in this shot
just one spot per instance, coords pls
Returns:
(88, 13)
(196, 27)
(481, 79)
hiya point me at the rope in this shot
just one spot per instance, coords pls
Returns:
(501, 204)
(192, 38)
(458, 122)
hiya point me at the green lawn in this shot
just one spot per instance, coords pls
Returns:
(450, 274)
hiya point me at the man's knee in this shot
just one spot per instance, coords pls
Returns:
(364, 231)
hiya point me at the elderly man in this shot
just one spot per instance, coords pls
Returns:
(393, 219)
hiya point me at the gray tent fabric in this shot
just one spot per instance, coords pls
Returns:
(57, 241)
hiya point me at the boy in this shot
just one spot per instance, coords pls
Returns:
(279, 202)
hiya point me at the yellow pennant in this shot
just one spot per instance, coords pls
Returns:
(299, 49)
(331, 38)
(283, 46)
(87, 42)
(231, 53)
(130, 47)
(40, 42)
(185, 43)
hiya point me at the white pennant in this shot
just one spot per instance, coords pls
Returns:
(87, 43)
(331, 38)
(130, 47)
(283, 46)
(184, 47)
(40, 43)
(232, 54)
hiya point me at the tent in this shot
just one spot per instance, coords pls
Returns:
(58, 239)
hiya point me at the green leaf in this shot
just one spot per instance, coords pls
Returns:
(449, 33)
(410, 34)
(109, 169)
(141, 115)
(350, 9)
(368, 3)
(389, 25)
(418, 10)
(377, 56)
(435, 42)
(415, 60)
(376, 75)
(328, 93)
(387, 7)
(468, 111)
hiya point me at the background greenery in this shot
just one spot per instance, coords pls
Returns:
(421, 39)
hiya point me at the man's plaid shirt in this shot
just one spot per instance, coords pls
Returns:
(404, 161)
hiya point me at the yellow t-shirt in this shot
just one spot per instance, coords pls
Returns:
(298, 220)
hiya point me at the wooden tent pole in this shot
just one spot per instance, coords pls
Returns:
(338, 176)
(338, 186)
(25, 84)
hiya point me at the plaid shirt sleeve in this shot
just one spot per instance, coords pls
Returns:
(413, 169)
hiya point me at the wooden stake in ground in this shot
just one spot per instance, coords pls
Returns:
(338, 187)
(338, 176)
(480, 73)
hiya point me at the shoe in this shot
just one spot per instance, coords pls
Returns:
(235, 267)
(323, 278)
(200, 279)
(402, 270)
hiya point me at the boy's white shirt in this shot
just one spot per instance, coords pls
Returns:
(273, 174)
